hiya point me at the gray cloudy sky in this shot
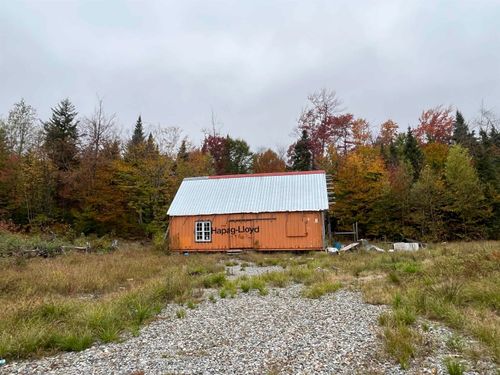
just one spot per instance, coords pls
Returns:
(252, 62)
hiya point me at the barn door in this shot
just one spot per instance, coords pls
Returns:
(296, 225)
(240, 234)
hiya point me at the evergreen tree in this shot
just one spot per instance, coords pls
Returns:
(413, 154)
(136, 147)
(488, 157)
(151, 148)
(183, 153)
(61, 136)
(138, 136)
(462, 135)
(301, 154)
(460, 129)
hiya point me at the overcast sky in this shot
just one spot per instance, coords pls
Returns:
(252, 62)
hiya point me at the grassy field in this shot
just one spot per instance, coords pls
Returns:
(71, 301)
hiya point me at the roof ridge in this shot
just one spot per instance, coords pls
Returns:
(248, 175)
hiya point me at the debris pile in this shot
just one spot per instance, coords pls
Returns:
(365, 245)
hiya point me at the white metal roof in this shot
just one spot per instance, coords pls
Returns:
(273, 192)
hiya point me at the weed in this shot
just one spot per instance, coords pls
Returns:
(73, 341)
(245, 286)
(181, 313)
(400, 343)
(393, 277)
(231, 288)
(396, 302)
(454, 367)
(456, 343)
(263, 291)
(319, 289)
(384, 319)
(212, 298)
(276, 279)
(214, 280)
(223, 293)
(140, 311)
(191, 305)
(404, 316)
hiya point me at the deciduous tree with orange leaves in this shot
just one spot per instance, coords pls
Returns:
(435, 125)
(268, 161)
(388, 132)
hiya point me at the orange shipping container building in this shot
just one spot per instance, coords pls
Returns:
(270, 211)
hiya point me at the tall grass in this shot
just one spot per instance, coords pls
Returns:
(457, 284)
(69, 302)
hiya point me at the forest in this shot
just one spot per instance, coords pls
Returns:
(438, 180)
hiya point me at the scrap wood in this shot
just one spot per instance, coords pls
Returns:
(376, 248)
(350, 246)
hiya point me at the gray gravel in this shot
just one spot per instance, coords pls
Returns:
(233, 272)
(249, 334)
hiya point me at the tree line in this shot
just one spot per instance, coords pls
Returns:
(437, 181)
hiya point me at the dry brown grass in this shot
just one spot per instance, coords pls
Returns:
(68, 302)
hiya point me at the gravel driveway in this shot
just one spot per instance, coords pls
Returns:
(249, 334)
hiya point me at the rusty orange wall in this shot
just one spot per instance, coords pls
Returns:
(272, 231)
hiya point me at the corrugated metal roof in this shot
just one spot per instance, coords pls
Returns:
(272, 192)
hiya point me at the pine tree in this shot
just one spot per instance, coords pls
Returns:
(61, 136)
(136, 147)
(301, 154)
(488, 157)
(138, 136)
(183, 153)
(151, 147)
(462, 135)
(413, 154)
(460, 129)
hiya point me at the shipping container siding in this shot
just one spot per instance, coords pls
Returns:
(263, 231)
